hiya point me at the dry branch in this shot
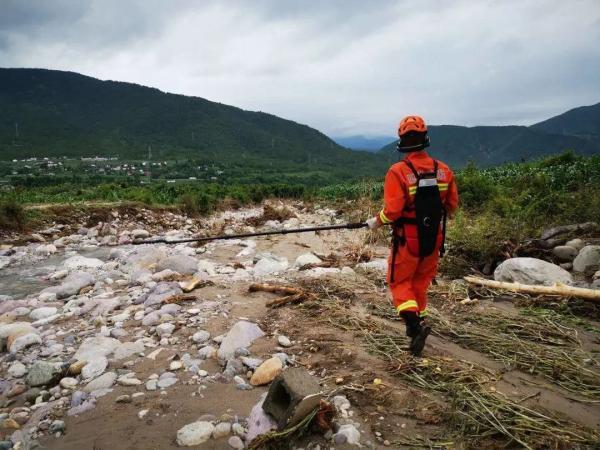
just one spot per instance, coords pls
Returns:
(558, 289)
(179, 298)
(292, 295)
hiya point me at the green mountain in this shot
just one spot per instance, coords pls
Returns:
(55, 113)
(492, 145)
(583, 122)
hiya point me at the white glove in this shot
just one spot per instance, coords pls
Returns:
(373, 223)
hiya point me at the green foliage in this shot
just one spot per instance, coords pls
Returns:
(12, 214)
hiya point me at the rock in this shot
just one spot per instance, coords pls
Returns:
(43, 373)
(42, 313)
(221, 430)
(57, 426)
(175, 365)
(164, 274)
(69, 383)
(581, 227)
(128, 380)
(201, 337)
(236, 442)
(566, 266)
(15, 329)
(165, 329)
(350, 433)
(242, 334)
(576, 243)
(22, 341)
(307, 259)
(259, 422)
(143, 413)
(531, 271)
(251, 363)
(166, 380)
(17, 389)
(104, 381)
(81, 262)
(161, 292)
(207, 352)
(123, 399)
(269, 264)
(71, 285)
(284, 341)
(17, 369)
(341, 404)
(140, 234)
(565, 252)
(194, 434)
(47, 249)
(183, 264)
(94, 368)
(95, 347)
(588, 260)
(151, 319)
(127, 349)
(266, 372)
(152, 385)
(379, 265)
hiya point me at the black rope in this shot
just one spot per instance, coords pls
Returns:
(346, 226)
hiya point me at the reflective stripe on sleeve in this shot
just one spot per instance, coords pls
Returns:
(423, 313)
(384, 218)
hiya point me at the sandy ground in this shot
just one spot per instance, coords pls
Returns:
(402, 411)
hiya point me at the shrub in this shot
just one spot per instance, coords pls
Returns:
(12, 214)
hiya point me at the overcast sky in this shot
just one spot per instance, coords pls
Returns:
(342, 66)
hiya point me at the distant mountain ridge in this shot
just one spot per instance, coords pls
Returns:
(55, 113)
(363, 143)
(578, 130)
(46, 113)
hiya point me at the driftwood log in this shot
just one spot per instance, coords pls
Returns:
(559, 289)
(292, 295)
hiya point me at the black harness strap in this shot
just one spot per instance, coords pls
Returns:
(397, 240)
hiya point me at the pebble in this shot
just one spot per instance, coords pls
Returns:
(221, 430)
(175, 365)
(143, 413)
(123, 399)
(284, 341)
(236, 442)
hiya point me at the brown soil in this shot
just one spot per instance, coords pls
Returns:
(397, 411)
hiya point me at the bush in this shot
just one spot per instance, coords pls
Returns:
(12, 214)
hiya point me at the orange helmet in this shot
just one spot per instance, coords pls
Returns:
(412, 123)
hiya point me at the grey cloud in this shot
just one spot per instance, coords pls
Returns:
(343, 66)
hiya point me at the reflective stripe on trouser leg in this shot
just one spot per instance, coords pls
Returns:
(423, 313)
(407, 305)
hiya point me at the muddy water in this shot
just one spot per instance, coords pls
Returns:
(29, 278)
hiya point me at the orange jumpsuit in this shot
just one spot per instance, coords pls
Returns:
(412, 275)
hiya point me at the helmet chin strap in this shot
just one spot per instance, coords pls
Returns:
(412, 148)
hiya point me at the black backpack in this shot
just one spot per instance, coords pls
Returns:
(429, 211)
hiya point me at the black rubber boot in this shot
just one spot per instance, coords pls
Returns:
(413, 323)
(418, 342)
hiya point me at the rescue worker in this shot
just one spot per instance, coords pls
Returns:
(419, 194)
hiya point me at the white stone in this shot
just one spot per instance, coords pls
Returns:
(95, 347)
(307, 259)
(284, 341)
(379, 265)
(79, 262)
(105, 381)
(576, 243)
(351, 434)
(221, 430)
(175, 365)
(94, 367)
(201, 337)
(588, 260)
(69, 383)
(531, 271)
(43, 313)
(194, 434)
(17, 369)
(127, 349)
(25, 340)
(165, 329)
(269, 264)
(242, 334)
